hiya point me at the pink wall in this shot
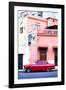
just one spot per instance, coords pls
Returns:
(33, 21)
(49, 41)
(33, 53)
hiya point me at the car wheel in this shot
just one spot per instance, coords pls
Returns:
(44, 70)
(48, 70)
(28, 70)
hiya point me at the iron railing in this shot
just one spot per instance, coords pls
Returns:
(48, 31)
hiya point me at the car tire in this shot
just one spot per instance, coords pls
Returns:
(48, 70)
(28, 70)
(44, 70)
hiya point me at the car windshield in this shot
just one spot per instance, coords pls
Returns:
(40, 62)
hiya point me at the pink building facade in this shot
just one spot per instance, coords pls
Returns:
(44, 45)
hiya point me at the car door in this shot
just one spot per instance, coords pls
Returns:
(36, 66)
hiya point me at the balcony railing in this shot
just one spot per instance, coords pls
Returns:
(48, 31)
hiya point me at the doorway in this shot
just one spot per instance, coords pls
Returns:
(20, 61)
(56, 56)
(43, 53)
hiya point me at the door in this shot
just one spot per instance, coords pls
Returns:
(20, 61)
(43, 53)
(56, 56)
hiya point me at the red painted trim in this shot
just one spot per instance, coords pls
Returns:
(53, 35)
(38, 19)
(42, 47)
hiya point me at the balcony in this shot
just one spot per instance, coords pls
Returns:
(51, 32)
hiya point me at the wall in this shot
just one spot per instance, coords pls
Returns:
(50, 43)
(4, 45)
(23, 47)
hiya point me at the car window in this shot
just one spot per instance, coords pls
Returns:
(40, 62)
(45, 62)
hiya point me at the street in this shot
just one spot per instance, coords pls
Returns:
(25, 75)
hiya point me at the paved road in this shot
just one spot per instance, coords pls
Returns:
(25, 75)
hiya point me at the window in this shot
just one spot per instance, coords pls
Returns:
(40, 13)
(21, 29)
(41, 62)
(53, 20)
(34, 13)
(31, 38)
(38, 62)
(23, 13)
(45, 62)
(37, 25)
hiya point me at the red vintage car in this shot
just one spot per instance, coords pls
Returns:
(39, 65)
